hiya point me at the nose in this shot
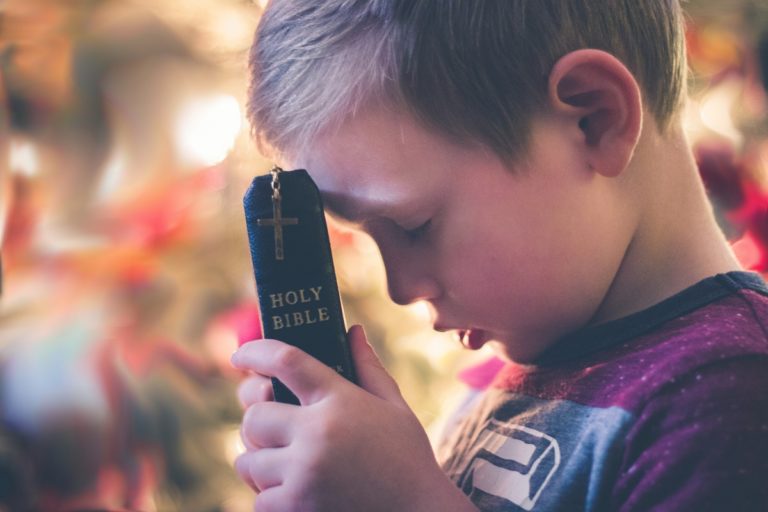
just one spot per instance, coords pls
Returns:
(405, 288)
(410, 271)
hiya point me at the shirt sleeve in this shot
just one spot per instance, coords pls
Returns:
(701, 442)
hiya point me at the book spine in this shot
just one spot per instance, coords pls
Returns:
(298, 294)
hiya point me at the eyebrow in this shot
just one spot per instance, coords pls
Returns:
(341, 211)
(349, 211)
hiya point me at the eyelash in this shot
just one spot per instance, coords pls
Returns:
(416, 233)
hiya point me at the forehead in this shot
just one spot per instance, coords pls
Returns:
(376, 161)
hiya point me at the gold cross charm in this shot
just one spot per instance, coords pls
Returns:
(277, 221)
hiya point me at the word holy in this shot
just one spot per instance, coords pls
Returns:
(312, 315)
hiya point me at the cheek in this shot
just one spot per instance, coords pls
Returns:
(535, 277)
(479, 272)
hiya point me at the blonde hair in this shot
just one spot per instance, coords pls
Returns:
(471, 70)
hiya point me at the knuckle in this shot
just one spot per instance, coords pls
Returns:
(314, 464)
(242, 468)
(328, 430)
(254, 389)
(245, 438)
(242, 395)
(248, 426)
(244, 392)
(296, 495)
(262, 504)
(265, 390)
(251, 413)
(269, 502)
(287, 356)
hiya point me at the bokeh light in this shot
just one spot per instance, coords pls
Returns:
(206, 130)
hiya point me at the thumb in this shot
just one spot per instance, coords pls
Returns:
(371, 374)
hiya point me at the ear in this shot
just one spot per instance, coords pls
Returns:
(600, 98)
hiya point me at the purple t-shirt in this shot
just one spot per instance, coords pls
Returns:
(666, 409)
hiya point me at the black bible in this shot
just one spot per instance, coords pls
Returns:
(295, 278)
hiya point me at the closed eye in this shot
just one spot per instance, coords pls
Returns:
(417, 233)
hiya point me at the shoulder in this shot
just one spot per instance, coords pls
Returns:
(719, 338)
(734, 324)
(700, 441)
(697, 389)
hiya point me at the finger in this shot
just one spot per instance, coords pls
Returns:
(254, 389)
(268, 425)
(371, 374)
(261, 469)
(274, 499)
(243, 472)
(309, 379)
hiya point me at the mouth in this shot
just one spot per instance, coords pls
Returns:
(472, 339)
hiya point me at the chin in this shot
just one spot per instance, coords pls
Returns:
(512, 351)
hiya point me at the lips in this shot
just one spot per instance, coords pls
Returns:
(472, 339)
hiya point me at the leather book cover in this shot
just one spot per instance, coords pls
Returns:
(295, 279)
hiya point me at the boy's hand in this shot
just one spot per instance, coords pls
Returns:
(345, 448)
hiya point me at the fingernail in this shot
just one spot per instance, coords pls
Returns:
(361, 329)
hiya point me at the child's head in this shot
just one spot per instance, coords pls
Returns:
(471, 70)
(490, 148)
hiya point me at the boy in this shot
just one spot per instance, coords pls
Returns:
(522, 167)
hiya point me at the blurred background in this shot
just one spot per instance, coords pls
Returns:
(124, 155)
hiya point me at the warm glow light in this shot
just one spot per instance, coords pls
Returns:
(5, 199)
(232, 29)
(436, 348)
(747, 252)
(233, 445)
(23, 158)
(206, 130)
(715, 111)
(692, 124)
(112, 175)
(421, 310)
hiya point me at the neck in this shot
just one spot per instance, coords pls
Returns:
(677, 241)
